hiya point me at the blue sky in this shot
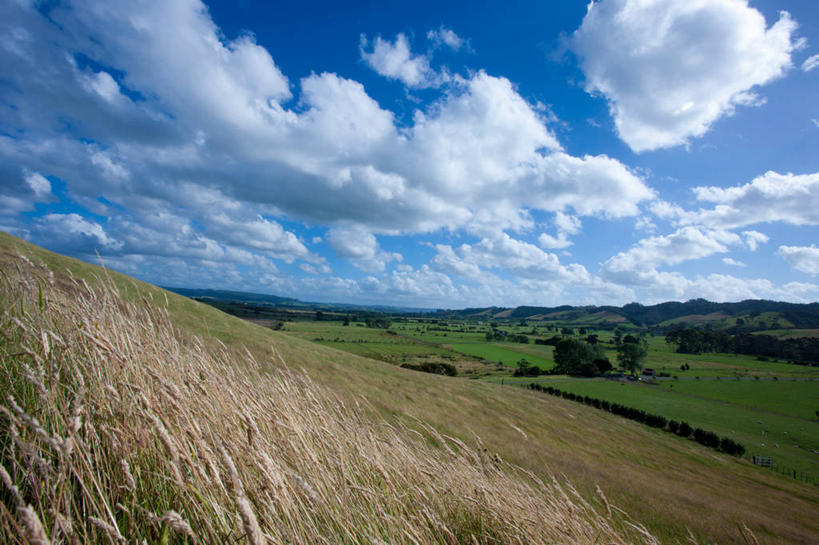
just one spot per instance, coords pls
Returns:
(423, 154)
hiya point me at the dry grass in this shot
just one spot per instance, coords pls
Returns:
(115, 429)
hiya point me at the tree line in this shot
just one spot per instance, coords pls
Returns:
(682, 429)
(694, 341)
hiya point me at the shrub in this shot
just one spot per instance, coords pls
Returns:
(685, 429)
(434, 368)
(729, 446)
(707, 438)
(656, 421)
(673, 426)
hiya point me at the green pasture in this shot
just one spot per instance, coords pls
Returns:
(750, 412)
(793, 398)
(724, 365)
(506, 353)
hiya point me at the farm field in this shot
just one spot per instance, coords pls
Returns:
(508, 353)
(404, 342)
(768, 406)
(770, 418)
(799, 399)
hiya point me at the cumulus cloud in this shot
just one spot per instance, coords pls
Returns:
(670, 68)
(638, 265)
(732, 262)
(394, 60)
(360, 247)
(566, 225)
(772, 197)
(423, 285)
(810, 63)
(73, 231)
(211, 174)
(477, 158)
(502, 252)
(802, 258)
(260, 234)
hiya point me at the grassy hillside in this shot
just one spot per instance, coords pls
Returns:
(669, 484)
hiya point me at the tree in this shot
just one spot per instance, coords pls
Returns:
(575, 357)
(526, 369)
(630, 355)
(618, 336)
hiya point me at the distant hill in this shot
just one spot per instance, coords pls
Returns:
(236, 296)
(752, 314)
(209, 295)
(744, 316)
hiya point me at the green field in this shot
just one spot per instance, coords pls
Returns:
(770, 418)
(508, 353)
(732, 395)
(799, 399)
(407, 340)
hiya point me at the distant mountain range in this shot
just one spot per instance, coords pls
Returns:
(752, 314)
(749, 315)
(206, 295)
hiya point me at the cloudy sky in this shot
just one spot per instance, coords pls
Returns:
(432, 154)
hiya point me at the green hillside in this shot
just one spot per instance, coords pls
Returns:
(670, 485)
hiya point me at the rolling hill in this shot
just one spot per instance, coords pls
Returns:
(233, 431)
(743, 316)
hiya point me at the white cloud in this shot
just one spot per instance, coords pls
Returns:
(313, 269)
(801, 258)
(260, 234)
(772, 197)
(199, 172)
(394, 60)
(732, 262)
(754, 238)
(478, 158)
(360, 247)
(446, 37)
(554, 243)
(566, 225)
(502, 252)
(447, 261)
(638, 265)
(104, 85)
(671, 68)
(810, 63)
(38, 184)
(424, 284)
(73, 231)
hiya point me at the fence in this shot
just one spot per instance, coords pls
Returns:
(764, 461)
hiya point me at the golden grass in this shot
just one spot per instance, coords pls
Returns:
(117, 428)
